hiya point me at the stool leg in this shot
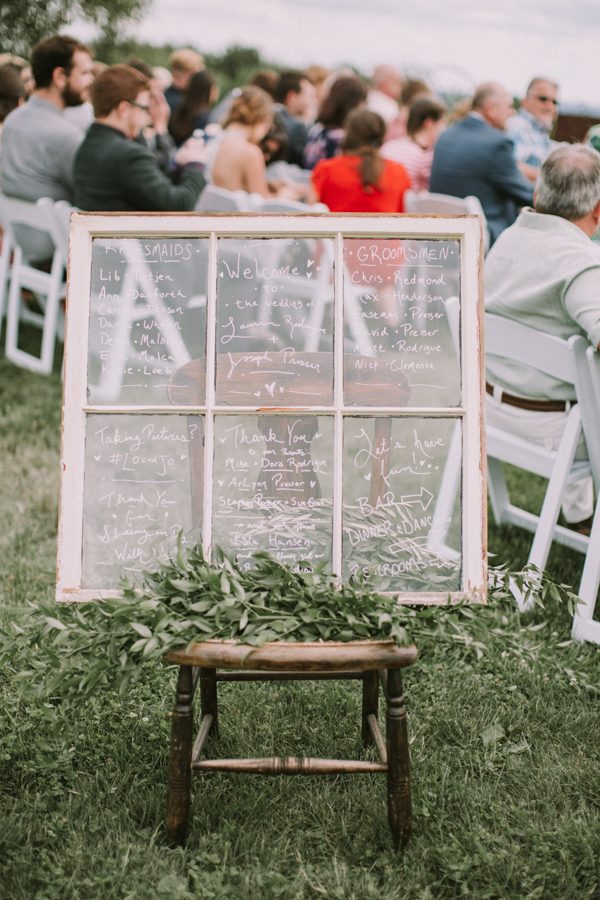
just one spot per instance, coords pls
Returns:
(208, 698)
(179, 783)
(398, 774)
(370, 704)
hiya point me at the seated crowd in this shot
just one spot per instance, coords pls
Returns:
(127, 137)
(133, 138)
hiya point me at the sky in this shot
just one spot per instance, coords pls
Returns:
(455, 45)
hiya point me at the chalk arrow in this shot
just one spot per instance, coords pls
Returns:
(424, 498)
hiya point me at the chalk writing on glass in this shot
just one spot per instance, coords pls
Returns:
(143, 486)
(272, 487)
(400, 313)
(147, 317)
(394, 470)
(274, 319)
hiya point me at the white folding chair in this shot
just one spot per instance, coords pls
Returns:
(564, 360)
(217, 199)
(276, 204)
(426, 203)
(5, 260)
(48, 286)
(585, 627)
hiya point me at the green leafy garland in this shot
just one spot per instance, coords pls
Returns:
(76, 649)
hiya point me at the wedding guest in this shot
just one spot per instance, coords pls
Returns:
(193, 110)
(113, 172)
(361, 180)
(326, 135)
(426, 121)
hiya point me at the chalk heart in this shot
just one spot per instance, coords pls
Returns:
(220, 482)
(367, 477)
(270, 388)
(257, 393)
(98, 458)
(223, 439)
(309, 274)
(313, 484)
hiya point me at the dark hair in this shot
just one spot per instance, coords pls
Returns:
(411, 89)
(345, 94)
(53, 53)
(115, 84)
(277, 135)
(422, 109)
(267, 79)
(11, 90)
(195, 101)
(141, 66)
(289, 81)
(365, 133)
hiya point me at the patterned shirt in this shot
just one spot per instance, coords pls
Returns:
(414, 158)
(531, 139)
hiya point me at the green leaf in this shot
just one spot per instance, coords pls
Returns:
(142, 629)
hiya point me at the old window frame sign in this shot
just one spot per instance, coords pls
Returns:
(361, 386)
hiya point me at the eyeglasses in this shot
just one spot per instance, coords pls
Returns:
(140, 106)
(543, 99)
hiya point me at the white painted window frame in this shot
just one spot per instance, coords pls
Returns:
(85, 227)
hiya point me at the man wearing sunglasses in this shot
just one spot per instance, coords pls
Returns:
(530, 128)
(115, 173)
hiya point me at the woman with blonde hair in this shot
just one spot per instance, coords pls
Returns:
(361, 180)
(236, 161)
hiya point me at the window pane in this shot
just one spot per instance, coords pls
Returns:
(147, 318)
(143, 485)
(396, 527)
(274, 324)
(273, 486)
(400, 328)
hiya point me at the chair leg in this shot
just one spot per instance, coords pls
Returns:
(370, 704)
(208, 698)
(398, 774)
(497, 490)
(179, 783)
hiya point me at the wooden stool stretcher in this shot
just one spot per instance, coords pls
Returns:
(368, 661)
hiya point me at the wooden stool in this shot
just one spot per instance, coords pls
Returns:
(368, 661)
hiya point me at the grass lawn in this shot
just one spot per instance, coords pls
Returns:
(505, 744)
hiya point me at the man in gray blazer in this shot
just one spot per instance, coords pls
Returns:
(475, 157)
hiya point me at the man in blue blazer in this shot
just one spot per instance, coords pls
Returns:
(475, 157)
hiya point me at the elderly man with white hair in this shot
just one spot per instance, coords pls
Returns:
(544, 271)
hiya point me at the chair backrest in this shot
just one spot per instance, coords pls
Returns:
(274, 204)
(589, 357)
(217, 199)
(30, 226)
(424, 203)
(522, 344)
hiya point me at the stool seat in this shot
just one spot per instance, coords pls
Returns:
(329, 656)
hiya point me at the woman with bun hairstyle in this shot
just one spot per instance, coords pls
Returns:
(361, 180)
(236, 161)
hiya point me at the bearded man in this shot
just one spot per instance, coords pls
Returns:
(38, 143)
